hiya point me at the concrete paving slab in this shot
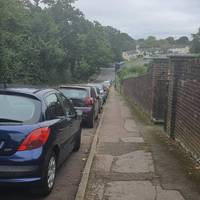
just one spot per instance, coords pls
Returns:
(125, 112)
(133, 139)
(168, 194)
(130, 190)
(119, 149)
(97, 191)
(130, 125)
(103, 163)
(134, 162)
(108, 139)
(134, 133)
(138, 190)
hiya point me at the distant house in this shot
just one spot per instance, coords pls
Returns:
(152, 52)
(137, 53)
(127, 55)
(179, 50)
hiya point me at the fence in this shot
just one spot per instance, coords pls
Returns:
(140, 91)
(170, 93)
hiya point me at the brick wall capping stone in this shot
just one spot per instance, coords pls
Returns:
(170, 93)
(161, 59)
(182, 57)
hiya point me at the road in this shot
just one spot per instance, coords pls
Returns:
(69, 175)
(106, 74)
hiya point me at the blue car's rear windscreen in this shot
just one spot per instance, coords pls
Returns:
(19, 108)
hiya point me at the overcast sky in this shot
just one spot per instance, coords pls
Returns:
(141, 18)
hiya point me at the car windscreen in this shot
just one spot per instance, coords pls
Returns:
(74, 93)
(14, 108)
(100, 87)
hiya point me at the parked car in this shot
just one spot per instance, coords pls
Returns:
(103, 91)
(106, 91)
(99, 94)
(107, 83)
(84, 99)
(38, 130)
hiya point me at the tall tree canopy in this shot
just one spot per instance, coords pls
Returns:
(54, 43)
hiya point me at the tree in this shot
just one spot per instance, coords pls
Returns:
(171, 40)
(164, 44)
(54, 43)
(182, 41)
(13, 26)
(151, 42)
(119, 42)
(195, 47)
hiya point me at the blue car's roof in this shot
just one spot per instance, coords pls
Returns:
(27, 91)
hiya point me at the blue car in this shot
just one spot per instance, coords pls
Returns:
(38, 130)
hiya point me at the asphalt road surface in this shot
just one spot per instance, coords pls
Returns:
(106, 74)
(70, 173)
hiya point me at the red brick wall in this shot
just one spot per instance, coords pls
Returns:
(160, 88)
(187, 116)
(171, 91)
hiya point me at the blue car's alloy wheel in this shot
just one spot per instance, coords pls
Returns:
(51, 172)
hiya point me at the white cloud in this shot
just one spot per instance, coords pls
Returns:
(141, 18)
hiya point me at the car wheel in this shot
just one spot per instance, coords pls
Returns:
(48, 179)
(78, 141)
(91, 121)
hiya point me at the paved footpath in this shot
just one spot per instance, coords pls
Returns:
(123, 168)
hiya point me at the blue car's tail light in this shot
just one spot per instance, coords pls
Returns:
(35, 139)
